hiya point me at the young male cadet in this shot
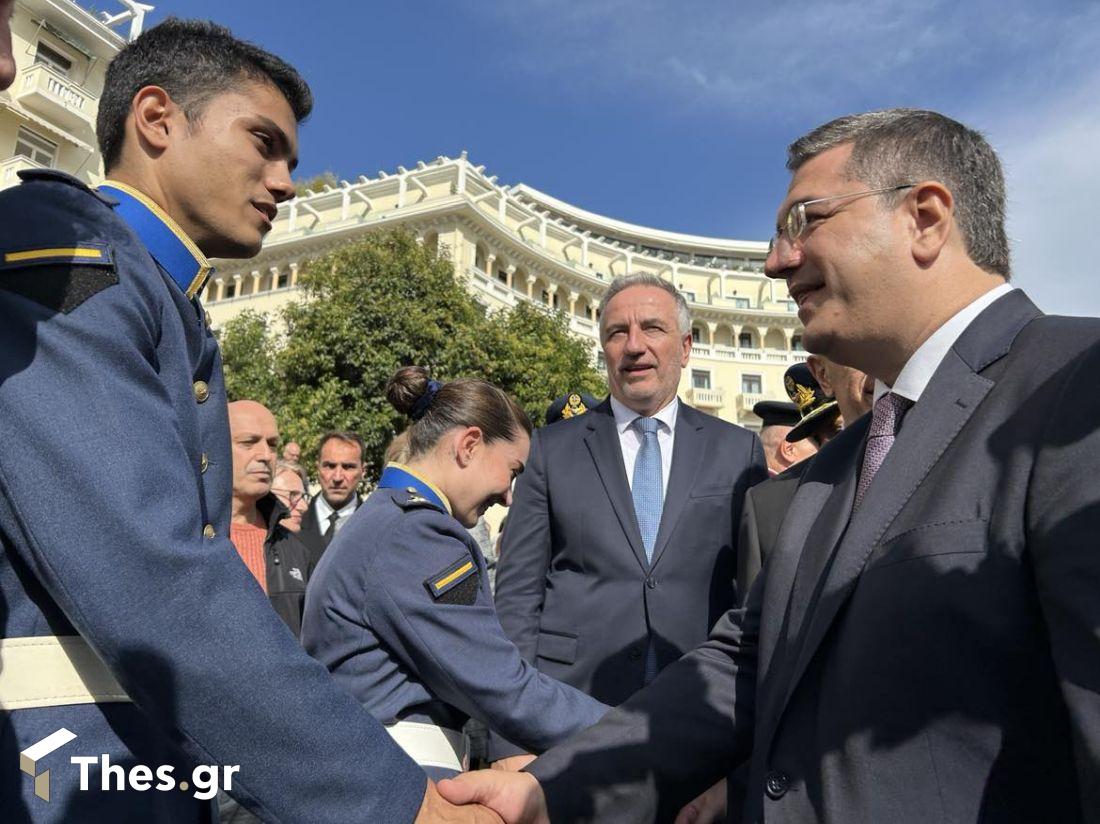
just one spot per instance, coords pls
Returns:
(145, 641)
(921, 645)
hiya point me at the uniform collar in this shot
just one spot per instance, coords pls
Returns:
(399, 476)
(176, 253)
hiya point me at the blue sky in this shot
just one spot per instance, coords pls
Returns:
(676, 114)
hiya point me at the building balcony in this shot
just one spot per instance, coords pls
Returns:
(747, 400)
(55, 97)
(705, 398)
(11, 167)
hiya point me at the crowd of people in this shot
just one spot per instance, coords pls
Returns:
(881, 608)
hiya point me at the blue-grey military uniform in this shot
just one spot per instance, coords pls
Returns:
(399, 610)
(115, 489)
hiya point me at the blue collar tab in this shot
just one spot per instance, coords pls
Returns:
(170, 247)
(395, 476)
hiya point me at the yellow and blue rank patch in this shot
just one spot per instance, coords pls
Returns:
(60, 277)
(87, 254)
(457, 584)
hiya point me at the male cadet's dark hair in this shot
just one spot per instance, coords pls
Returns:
(897, 146)
(194, 61)
(463, 402)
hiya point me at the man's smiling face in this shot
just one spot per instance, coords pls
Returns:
(644, 346)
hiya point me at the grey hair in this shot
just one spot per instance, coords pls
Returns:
(683, 316)
(897, 146)
(282, 466)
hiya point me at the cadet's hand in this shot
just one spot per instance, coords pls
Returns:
(516, 797)
(437, 810)
(513, 763)
(707, 808)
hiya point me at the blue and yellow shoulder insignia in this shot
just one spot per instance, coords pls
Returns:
(88, 254)
(456, 584)
(410, 498)
(58, 277)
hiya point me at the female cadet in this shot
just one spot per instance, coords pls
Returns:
(399, 608)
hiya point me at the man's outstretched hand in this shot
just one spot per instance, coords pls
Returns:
(515, 797)
(435, 809)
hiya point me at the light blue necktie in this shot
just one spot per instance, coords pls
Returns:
(648, 491)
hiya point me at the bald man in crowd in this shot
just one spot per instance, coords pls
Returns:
(273, 554)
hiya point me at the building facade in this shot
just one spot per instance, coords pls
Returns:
(515, 243)
(47, 117)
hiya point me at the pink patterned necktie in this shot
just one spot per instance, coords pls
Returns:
(885, 419)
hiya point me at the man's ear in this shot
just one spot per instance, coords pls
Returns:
(932, 208)
(821, 375)
(466, 442)
(155, 118)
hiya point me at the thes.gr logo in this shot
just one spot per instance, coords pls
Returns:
(29, 758)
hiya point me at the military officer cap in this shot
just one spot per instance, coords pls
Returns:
(570, 406)
(815, 408)
(777, 413)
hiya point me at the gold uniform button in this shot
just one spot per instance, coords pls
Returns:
(204, 462)
(208, 531)
(202, 391)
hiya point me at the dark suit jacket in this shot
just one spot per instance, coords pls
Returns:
(761, 517)
(933, 657)
(312, 534)
(574, 590)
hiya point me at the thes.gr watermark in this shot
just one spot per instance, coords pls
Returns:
(203, 783)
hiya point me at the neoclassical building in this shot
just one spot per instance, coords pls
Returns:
(515, 243)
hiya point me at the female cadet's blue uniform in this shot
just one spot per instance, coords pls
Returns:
(400, 612)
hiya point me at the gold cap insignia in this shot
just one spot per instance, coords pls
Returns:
(803, 398)
(574, 406)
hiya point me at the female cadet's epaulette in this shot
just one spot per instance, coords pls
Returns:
(410, 498)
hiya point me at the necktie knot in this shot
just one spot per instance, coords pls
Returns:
(887, 414)
(647, 426)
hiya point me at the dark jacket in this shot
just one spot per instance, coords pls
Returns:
(288, 564)
(931, 656)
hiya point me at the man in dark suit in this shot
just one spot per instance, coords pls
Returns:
(921, 645)
(341, 463)
(593, 591)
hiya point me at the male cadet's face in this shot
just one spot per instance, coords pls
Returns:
(340, 469)
(844, 272)
(7, 59)
(255, 437)
(231, 166)
(644, 348)
(493, 469)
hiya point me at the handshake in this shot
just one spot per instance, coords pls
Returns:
(494, 796)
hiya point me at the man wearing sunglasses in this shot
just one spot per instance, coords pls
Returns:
(923, 643)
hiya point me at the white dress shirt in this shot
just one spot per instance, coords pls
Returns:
(324, 510)
(630, 439)
(923, 363)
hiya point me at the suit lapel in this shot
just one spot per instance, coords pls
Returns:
(689, 448)
(603, 444)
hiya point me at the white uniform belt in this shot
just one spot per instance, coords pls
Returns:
(53, 671)
(432, 746)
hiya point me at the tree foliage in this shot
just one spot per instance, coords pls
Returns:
(380, 303)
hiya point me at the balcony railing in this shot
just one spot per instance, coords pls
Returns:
(10, 168)
(749, 399)
(706, 398)
(56, 97)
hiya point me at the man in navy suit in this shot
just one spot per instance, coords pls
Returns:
(922, 643)
(620, 549)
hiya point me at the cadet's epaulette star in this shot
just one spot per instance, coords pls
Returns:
(415, 500)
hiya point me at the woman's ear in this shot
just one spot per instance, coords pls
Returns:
(467, 441)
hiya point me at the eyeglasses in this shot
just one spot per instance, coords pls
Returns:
(795, 225)
(292, 497)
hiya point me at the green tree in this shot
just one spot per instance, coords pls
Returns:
(248, 354)
(316, 183)
(380, 303)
